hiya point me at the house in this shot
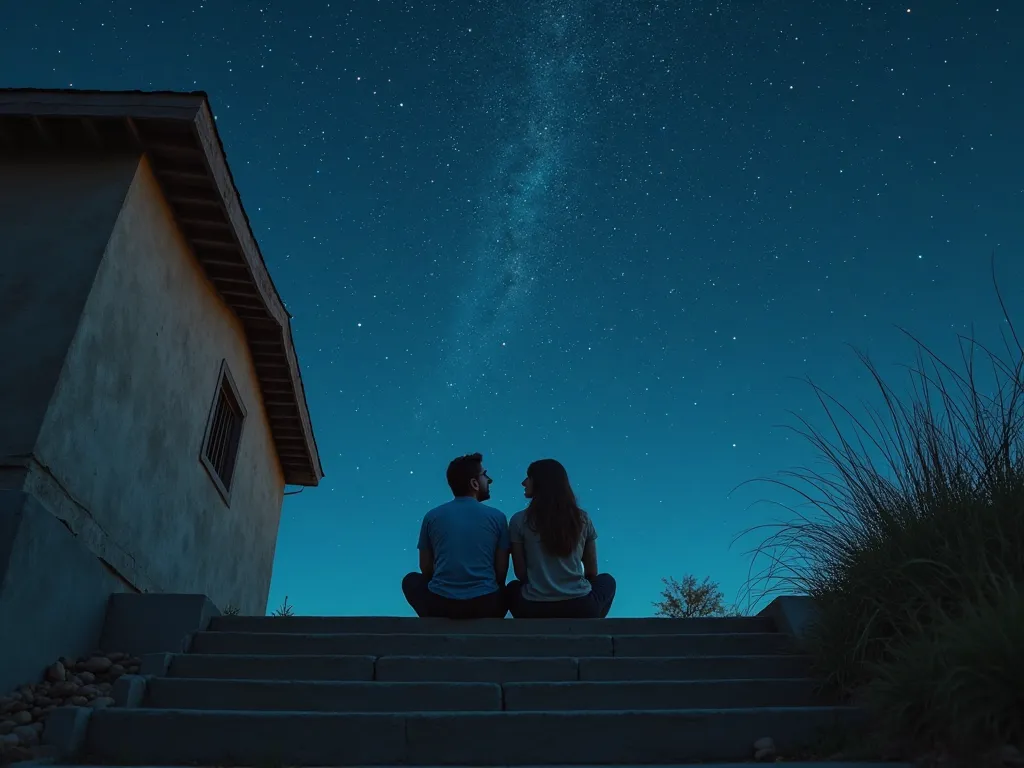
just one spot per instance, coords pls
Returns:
(151, 406)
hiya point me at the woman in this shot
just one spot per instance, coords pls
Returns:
(554, 553)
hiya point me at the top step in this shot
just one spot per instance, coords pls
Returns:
(379, 625)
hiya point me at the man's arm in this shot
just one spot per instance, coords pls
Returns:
(501, 552)
(427, 562)
(426, 550)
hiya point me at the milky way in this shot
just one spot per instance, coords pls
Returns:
(543, 105)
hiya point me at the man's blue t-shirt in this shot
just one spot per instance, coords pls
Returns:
(464, 535)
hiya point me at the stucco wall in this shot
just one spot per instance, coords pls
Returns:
(56, 214)
(53, 591)
(123, 434)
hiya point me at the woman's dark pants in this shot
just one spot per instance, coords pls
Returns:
(593, 606)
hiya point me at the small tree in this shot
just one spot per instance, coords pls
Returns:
(687, 599)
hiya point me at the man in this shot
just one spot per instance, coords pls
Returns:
(464, 548)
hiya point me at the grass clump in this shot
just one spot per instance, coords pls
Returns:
(911, 542)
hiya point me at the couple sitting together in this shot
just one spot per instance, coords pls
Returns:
(464, 548)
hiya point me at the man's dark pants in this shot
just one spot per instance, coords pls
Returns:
(592, 606)
(427, 603)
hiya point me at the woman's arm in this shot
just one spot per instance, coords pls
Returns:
(590, 560)
(519, 561)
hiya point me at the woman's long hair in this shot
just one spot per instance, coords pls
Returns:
(553, 512)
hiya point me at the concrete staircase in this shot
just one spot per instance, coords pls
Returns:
(395, 691)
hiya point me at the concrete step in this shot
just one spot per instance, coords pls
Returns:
(743, 667)
(179, 737)
(658, 695)
(746, 764)
(247, 667)
(470, 669)
(310, 696)
(381, 625)
(315, 696)
(736, 644)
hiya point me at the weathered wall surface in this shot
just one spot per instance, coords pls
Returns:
(53, 591)
(119, 450)
(56, 215)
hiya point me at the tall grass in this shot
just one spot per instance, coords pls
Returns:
(911, 542)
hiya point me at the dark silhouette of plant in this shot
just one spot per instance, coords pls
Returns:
(285, 609)
(912, 546)
(687, 599)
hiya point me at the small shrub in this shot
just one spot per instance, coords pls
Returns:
(285, 609)
(232, 610)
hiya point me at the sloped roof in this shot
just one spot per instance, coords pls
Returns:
(178, 134)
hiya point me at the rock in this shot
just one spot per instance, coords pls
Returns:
(97, 664)
(86, 677)
(102, 702)
(21, 718)
(56, 673)
(90, 691)
(764, 749)
(18, 754)
(116, 670)
(6, 704)
(1010, 755)
(105, 688)
(78, 701)
(10, 740)
(43, 701)
(38, 726)
(48, 709)
(6, 726)
(27, 735)
(117, 656)
(63, 690)
(36, 712)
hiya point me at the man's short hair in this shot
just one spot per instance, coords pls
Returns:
(462, 471)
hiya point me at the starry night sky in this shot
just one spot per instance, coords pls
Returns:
(613, 233)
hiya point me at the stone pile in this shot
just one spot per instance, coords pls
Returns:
(86, 682)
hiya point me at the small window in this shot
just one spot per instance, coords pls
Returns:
(223, 433)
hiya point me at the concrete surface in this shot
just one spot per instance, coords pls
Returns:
(214, 666)
(459, 699)
(125, 427)
(322, 696)
(138, 736)
(373, 625)
(405, 645)
(792, 615)
(380, 696)
(736, 644)
(658, 694)
(53, 591)
(475, 669)
(691, 644)
(694, 667)
(144, 624)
